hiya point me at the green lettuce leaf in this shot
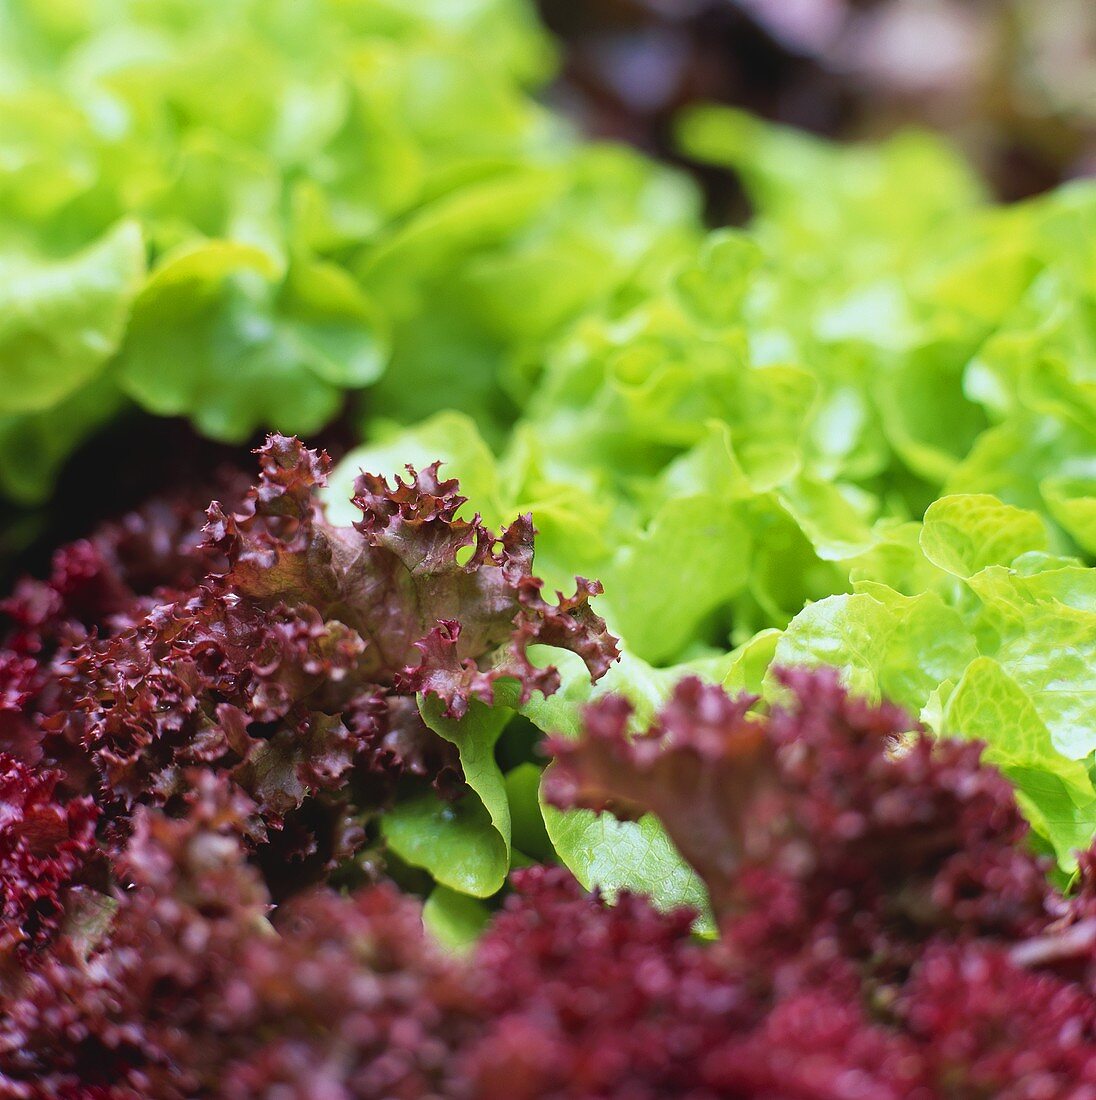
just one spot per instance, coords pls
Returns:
(465, 845)
(614, 855)
(696, 544)
(455, 920)
(62, 320)
(218, 334)
(1057, 792)
(965, 534)
(457, 843)
(887, 645)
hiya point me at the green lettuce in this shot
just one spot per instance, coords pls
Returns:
(860, 432)
(239, 212)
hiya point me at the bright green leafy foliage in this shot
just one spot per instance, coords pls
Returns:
(239, 210)
(861, 432)
(465, 845)
(60, 320)
(612, 855)
(457, 843)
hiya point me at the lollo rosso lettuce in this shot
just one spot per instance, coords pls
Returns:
(349, 683)
(884, 933)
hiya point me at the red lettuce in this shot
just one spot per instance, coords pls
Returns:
(192, 750)
(264, 643)
(46, 846)
(896, 984)
(824, 830)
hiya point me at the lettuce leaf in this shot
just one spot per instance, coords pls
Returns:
(1056, 792)
(62, 320)
(467, 846)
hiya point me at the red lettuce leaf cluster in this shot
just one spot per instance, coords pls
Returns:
(933, 964)
(870, 883)
(46, 847)
(822, 831)
(197, 993)
(263, 643)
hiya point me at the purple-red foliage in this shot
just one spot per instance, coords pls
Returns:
(265, 643)
(873, 891)
(194, 992)
(885, 933)
(821, 831)
(583, 999)
(45, 846)
(293, 667)
(989, 1028)
(201, 988)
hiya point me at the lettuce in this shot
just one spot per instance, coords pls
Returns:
(348, 683)
(860, 432)
(240, 212)
(884, 931)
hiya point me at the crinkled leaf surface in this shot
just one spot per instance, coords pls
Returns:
(965, 534)
(989, 705)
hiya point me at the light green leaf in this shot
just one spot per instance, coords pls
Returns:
(612, 855)
(1041, 628)
(886, 645)
(474, 736)
(1054, 662)
(465, 845)
(218, 335)
(470, 219)
(601, 851)
(456, 842)
(60, 321)
(1057, 793)
(714, 289)
(928, 419)
(964, 534)
(1071, 500)
(745, 667)
(831, 518)
(526, 819)
(454, 919)
(692, 559)
(341, 334)
(896, 559)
